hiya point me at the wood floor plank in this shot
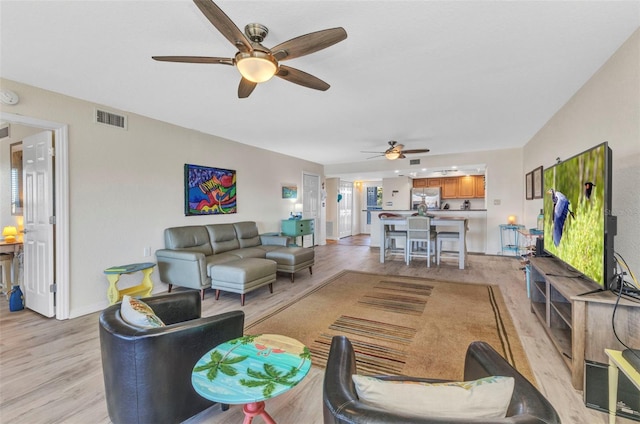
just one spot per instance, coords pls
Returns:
(50, 370)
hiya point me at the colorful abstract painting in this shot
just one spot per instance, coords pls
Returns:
(209, 191)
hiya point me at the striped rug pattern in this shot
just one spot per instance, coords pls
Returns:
(397, 296)
(399, 324)
(371, 358)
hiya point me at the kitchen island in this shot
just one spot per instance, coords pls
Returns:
(476, 219)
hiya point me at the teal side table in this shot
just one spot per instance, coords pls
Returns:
(509, 239)
(299, 228)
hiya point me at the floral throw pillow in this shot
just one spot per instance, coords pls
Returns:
(137, 313)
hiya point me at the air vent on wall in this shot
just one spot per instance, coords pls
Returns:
(4, 131)
(414, 161)
(111, 119)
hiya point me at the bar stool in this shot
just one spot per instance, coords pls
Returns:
(450, 236)
(394, 240)
(6, 265)
(420, 238)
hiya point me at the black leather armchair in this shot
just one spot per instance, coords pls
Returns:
(341, 403)
(147, 372)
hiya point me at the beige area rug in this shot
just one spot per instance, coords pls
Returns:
(399, 325)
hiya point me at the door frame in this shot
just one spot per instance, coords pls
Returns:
(317, 234)
(61, 204)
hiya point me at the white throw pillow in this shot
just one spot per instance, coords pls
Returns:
(138, 313)
(487, 397)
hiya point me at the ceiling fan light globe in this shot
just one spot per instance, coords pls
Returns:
(256, 66)
(392, 155)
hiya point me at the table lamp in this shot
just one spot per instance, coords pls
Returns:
(511, 219)
(9, 233)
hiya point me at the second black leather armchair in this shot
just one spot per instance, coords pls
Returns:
(341, 403)
(147, 372)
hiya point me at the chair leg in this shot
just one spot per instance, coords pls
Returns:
(202, 294)
(407, 250)
(292, 276)
(170, 287)
(242, 299)
(224, 406)
(270, 287)
(310, 271)
(217, 294)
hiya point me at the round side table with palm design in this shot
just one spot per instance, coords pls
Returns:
(251, 369)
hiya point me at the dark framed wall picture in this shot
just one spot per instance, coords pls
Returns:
(209, 191)
(528, 183)
(537, 183)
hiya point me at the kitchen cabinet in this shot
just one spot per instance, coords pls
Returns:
(479, 186)
(450, 188)
(420, 182)
(466, 186)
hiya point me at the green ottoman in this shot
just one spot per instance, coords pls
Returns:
(293, 259)
(243, 275)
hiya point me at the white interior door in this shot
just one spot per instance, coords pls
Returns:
(311, 203)
(345, 210)
(38, 222)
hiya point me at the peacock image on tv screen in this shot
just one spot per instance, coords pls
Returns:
(577, 199)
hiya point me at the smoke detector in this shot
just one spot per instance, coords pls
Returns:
(9, 97)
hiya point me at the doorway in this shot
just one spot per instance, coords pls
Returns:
(345, 209)
(61, 209)
(311, 202)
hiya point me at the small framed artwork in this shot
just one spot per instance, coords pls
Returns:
(537, 183)
(209, 191)
(529, 185)
(289, 191)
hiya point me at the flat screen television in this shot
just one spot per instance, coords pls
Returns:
(578, 225)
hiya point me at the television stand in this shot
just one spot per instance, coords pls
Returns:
(579, 326)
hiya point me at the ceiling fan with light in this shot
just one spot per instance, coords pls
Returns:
(257, 63)
(395, 151)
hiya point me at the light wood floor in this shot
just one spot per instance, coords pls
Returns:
(50, 370)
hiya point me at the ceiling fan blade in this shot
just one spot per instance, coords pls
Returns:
(195, 59)
(376, 156)
(308, 43)
(416, 151)
(299, 77)
(369, 151)
(245, 88)
(224, 24)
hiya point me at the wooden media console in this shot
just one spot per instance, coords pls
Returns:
(577, 319)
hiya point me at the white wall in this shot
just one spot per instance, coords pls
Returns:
(396, 193)
(606, 108)
(127, 186)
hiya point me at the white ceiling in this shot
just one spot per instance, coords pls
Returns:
(451, 76)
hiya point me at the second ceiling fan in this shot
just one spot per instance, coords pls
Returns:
(257, 63)
(395, 151)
